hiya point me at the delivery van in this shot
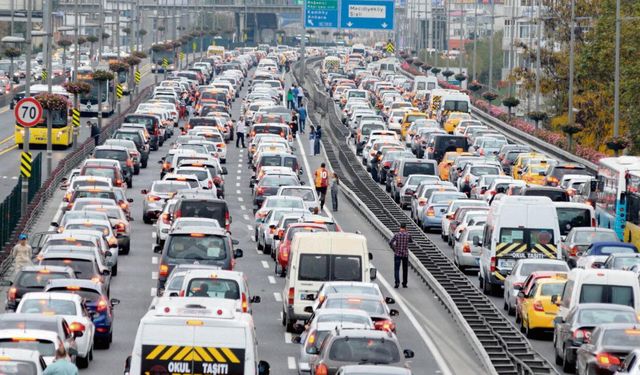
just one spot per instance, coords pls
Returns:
(517, 227)
(598, 286)
(316, 258)
(195, 335)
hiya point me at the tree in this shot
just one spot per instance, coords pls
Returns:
(64, 43)
(510, 102)
(92, 39)
(482, 57)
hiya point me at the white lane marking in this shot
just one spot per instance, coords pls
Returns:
(277, 296)
(287, 338)
(238, 177)
(246, 217)
(249, 227)
(154, 260)
(259, 252)
(265, 264)
(240, 199)
(291, 363)
(272, 280)
(238, 191)
(154, 235)
(154, 275)
(154, 292)
(310, 177)
(243, 207)
(237, 184)
(433, 348)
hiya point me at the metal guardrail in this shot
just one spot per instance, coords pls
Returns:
(48, 188)
(509, 352)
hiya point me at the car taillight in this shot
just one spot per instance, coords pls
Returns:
(210, 184)
(422, 202)
(217, 180)
(77, 327)
(121, 228)
(12, 293)
(153, 198)
(281, 233)
(260, 190)
(166, 166)
(574, 251)
(129, 163)
(581, 335)
(537, 306)
(593, 222)
(165, 218)
(227, 221)
(386, 164)
(322, 369)
(431, 211)
(220, 145)
(492, 264)
(399, 181)
(384, 325)
(466, 248)
(118, 182)
(164, 270)
(245, 304)
(291, 295)
(124, 205)
(102, 305)
(67, 197)
(606, 359)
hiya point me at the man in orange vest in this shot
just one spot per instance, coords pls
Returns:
(322, 181)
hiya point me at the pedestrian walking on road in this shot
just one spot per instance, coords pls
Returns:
(95, 132)
(290, 98)
(294, 91)
(300, 95)
(62, 365)
(293, 124)
(302, 117)
(241, 128)
(321, 178)
(316, 140)
(312, 139)
(400, 245)
(22, 253)
(335, 182)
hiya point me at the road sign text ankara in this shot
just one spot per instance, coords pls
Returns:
(321, 13)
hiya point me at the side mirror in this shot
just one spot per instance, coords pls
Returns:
(389, 300)
(521, 294)
(224, 170)
(144, 191)
(238, 253)
(108, 253)
(308, 309)
(77, 334)
(476, 241)
(130, 200)
(555, 299)
(373, 273)
(263, 368)
(54, 224)
(114, 302)
(558, 320)
(256, 299)
(313, 350)
(160, 161)
(157, 249)
(235, 242)
(408, 353)
(370, 256)
(394, 312)
(297, 339)
(106, 273)
(517, 287)
(597, 265)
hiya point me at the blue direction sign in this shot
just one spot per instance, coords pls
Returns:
(321, 14)
(367, 14)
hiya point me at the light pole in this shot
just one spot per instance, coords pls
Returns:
(493, 15)
(538, 56)
(512, 57)
(571, 59)
(616, 89)
(460, 48)
(475, 40)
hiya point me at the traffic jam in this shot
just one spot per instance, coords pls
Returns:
(552, 239)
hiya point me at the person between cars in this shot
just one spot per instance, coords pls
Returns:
(400, 245)
(316, 140)
(95, 132)
(22, 253)
(241, 128)
(62, 365)
(500, 190)
(302, 118)
(335, 181)
(321, 182)
(312, 139)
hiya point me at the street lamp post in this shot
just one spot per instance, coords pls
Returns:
(571, 59)
(475, 40)
(538, 56)
(616, 90)
(493, 14)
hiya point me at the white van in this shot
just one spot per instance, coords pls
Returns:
(424, 83)
(316, 258)
(195, 335)
(598, 286)
(518, 227)
(573, 215)
(453, 101)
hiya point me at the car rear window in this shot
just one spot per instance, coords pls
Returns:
(364, 350)
(213, 287)
(48, 306)
(371, 306)
(88, 294)
(99, 172)
(554, 195)
(593, 236)
(418, 168)
(603, 316)
(608, 250)
(550, 289)
(203, 208)
(83, 268)
(278, 181)
(599, 293)
(197, 247)
(621, 338)
(573, 217)
(95, 194)
(284, 203)
(320, 267)
(46, 348)
(36, 279)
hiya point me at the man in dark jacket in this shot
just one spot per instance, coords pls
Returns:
(95, 131)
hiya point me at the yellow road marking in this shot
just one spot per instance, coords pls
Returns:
(8, 149)
(7, 139)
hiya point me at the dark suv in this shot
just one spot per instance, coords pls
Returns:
(33, 279)
(199, 204)
(556, 172)
(123, 157)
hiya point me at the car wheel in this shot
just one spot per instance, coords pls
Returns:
(559, 359)
(569, 367)
(114, 270)
(103, 343)
(289, 325)
(136, 170)
(267, 248)
(126, 250)
(528, 331)
(505, 305)
(82, 362)
(146, 219)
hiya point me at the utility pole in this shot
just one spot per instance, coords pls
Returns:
(493, 14)
(475, 40)
(76, 60)
(616, 91)
(448, 33)
(461, 47)
(538, 56)
(24, 190)
(571, 59)
(512, 55)
(48, 52)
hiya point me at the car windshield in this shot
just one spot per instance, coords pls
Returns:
(596, 317)
(321, 267)
(364, 350)
(621, 338)
(213, 287)
(284, 203)
(418, 168)
(371, 306)
(81, 267)
(37, 279)
(197, 247)
(48, 306)
(46, 348)
(588, 237)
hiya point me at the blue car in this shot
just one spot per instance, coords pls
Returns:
(598, 252)
(97, 302)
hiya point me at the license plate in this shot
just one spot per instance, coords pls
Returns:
(459, 149)
(506, 263)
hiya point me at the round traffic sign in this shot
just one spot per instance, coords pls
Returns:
(28, 112)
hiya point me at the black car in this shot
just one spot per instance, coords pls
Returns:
(556, 194)
(33, 279)
(152, 123)
(123, 157)
(556, 172)
(607, 348)
(198, 204)
(440, 144)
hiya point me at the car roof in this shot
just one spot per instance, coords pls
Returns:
(51, 295)
(82, 283)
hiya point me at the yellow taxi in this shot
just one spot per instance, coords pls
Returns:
(536, 309)
(454, 119)
(447, 161)
(535, 173)
(522, 160)
(408, 118)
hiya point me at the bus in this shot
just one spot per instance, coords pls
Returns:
(215, 51)
(89, 101)
(157, 61)
(61, 128)
(632, 225)
(123, 77)
(611, 193)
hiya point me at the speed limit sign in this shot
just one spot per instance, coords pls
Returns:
(28, 112)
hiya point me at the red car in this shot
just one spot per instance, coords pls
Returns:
(285, 241)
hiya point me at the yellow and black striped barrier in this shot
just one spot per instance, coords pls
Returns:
(165, 63)
(137, 77)
(44, 75)
(181, 55)
(75, 117)
(118, 91)
(25, 164)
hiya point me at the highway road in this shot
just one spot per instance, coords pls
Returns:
(423, 325)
